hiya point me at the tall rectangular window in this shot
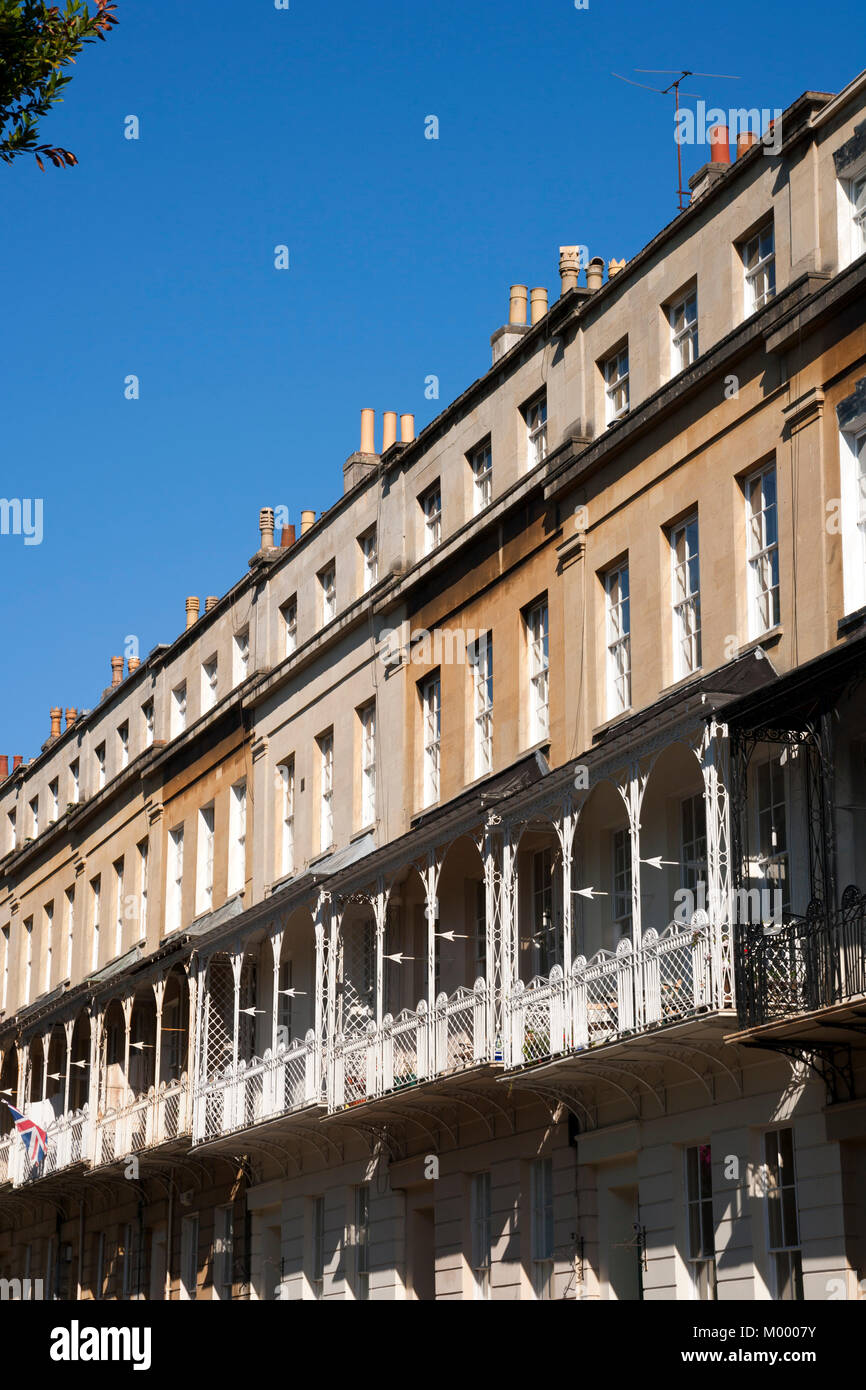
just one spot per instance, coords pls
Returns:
(54, 799)
(178, 709)
(535, 415)
(431, 717)
(481, 463)
(69, 910)
(782, 1216)
(699, 1221)
(693, 842)
(857, 199)
(621, 888)
(4, 934)
(174, 884)
(75, 782)
(189, 1257)
(49, 945)
(431, 507)
(13, 831)
(285, 1009)
(545, 938)
(241, 656)
(369, 560)
(118, 907)
(142, 889)
(127, 1274)
(367, 717)
(328, 588)
(34, 817)
(326, 789)
(481, 1234)
(100, 1265)
(684, 332)
(237, 867)
(287, 845)
(362, 1242)
(123, 745)
(209, 676)
(223, 1252)
(95, 909)
(204, 867)
(852, 461)
(686, 598)
(616, 587)
(759, 268)
(481, 674)
(147, 721)
(771, 816)
(538, 642)
(317, 1263)
(762, 540)
(289, 614)
(615, 371)
(542, 1227)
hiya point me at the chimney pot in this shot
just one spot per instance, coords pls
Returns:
(389, 429)
(191, 611)
(720, 149)
(117, 665)
(537, 305)
(266, 526)
(595, 273)
(71, 716)
(614, 267)
(4, 766)
(517, 304)
(210, 602)
(407, 429)
(133, 664)
(569, 267)
(56, 715)
(17, 760)
(308, 519)
(745, 140)
(368, 427)
(287, 537)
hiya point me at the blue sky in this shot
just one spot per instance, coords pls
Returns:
(304, 127)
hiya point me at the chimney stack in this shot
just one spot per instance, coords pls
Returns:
(133, 664)
(595, 273)
(191, 612)
(614, 267)
(266, 527)
(389, 430)
(71, 716)
(745, 140)
(407, 429)
(720, 149)
(117, 667)
(308, 519)
(17, 760)
(517, 305)
(56, 715)
(537, 305)
(569, 267)
(368, 428)
(4, 767)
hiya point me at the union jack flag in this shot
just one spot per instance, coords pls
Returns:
(35, 1140)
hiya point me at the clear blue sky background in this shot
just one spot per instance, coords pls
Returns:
(304, 126)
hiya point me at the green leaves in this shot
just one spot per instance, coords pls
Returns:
(36, 42)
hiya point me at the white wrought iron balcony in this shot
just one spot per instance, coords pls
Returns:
(160, 1117)
(264, 1088)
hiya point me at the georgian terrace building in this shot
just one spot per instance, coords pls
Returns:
(466, 904)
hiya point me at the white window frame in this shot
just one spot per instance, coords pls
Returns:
(328, 587)
(28, 958)
(13, 829)
(48, 935)
(54, 793)
(99, 754)
(143, 848)
(700, 1243)
(431, 724)
(189, 1258)
(481, 674)
(95, 909)
(538, 650)
(686, 596)
(683, 317)
(369, 560)
(762, 552)
(317, 1238)
(223, 1281)
(759, 268)
(325, 743)
(240, 656)
(123, 741)
(857, 198)
(621, 879)
(75, 780)
(543, 1228)
(147, 714)
(174, 885)
(617, 594)
(852, 458)
(69, 910)
(616, 385)
(237, 866)
(289, 612)
(118, 867)
(481, 465)
(209, 683)
(178, 709)
(481, 1234)
(431, 508)
(535, 415)
(784, 1238)
(367, 717)
(34, 817)
(361, 1242)
(287, 818)
(205, 859)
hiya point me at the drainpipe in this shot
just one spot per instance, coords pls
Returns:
(80, 1248)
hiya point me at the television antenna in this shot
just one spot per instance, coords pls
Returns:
(675, 88)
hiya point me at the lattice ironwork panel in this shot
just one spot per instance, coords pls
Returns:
(220, 1016)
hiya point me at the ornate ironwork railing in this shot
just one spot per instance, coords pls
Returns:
(261, 1089)
(807, 963)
